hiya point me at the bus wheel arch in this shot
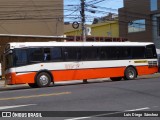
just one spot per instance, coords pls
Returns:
(130, 73)
(43, 78)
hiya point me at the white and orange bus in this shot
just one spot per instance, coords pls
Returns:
(40, 63)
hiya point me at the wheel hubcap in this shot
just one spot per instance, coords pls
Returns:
(44, 80)
(131, 74)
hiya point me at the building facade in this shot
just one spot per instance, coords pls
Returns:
(104, 29)
(31, 17)
(4, 39)
(139, 20)
(30, 21)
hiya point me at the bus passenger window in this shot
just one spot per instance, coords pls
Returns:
(113, 53)
(125, 53)
(35, 54)
(72, 53)
(90, 53)
(46, 57)
(78, 55)
(56, 54)
(138, 52)
(20, 57)
(47, 54)
(103, 54)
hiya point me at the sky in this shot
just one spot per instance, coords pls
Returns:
(72, 9)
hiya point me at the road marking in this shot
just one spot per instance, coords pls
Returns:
(101, 115)
(139, 109)
(35, 96)
(15, 106)
(155, 106)
(80, 118)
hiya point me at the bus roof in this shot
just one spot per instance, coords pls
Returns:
(45, 44)
(32, 36)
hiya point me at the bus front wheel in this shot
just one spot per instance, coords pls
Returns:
(130, 73)
(43, 79)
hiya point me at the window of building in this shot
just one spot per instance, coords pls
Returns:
(153, 5)
(137, 26)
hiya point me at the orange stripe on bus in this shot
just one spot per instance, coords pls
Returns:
(64, 75)
(88, 73)
(145, 70)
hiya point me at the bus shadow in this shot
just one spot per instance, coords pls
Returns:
(59, 84)
(81, 83)
(96, 82)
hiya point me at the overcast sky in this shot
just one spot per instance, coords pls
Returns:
(108, 6)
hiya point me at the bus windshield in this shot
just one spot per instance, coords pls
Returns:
(16, 58)
(151, 51)
(21, 57)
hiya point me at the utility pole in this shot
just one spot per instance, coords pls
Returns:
(83, 20)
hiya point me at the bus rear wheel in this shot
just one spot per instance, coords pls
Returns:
(116, 78)
(43, 79)
(130, 73)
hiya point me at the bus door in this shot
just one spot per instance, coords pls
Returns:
(21, 61)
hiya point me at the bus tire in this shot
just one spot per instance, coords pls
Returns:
(43, 79)
(116, 78)
(130, 73)
(33, 85)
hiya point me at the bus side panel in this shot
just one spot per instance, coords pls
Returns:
(10, 78)
(145, 70)
(62, 75)
(22, 78)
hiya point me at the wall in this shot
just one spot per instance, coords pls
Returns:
(100, 30)
(31, 17)
(135, 10)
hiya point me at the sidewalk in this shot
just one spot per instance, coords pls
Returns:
(2, 82)
(156, 75)
(2, 85)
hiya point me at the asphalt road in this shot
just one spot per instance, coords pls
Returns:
(106, 98)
